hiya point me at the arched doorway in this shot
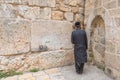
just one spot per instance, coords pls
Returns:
(97, 40)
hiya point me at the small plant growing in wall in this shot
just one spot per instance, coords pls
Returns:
(34, 70)
(9, 73)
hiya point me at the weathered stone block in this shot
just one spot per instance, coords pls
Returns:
(69, 16)
(14, 36)
(55, 58)
(73, 2)
(100, 49)
(112, 60)
(45, 13)
(75, 9)
(1, 1)
(28, 12)
(117, 20)
(53, 34)
(57, 15)
(115, 12)
(13, 1)
(41, 3)
(64, 7)
(79, 17)
(98, 3)
(7, 10)
(49, 3)
(42, 60)
(111, 4)
(110, 47)
(118, 2)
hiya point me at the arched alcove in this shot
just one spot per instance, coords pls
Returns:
(97, 40)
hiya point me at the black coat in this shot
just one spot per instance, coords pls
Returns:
(79, 39)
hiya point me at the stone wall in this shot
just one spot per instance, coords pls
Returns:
(36, 33)
(109, 11)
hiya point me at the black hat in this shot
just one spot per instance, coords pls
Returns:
(77, 23)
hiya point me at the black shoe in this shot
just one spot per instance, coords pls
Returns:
(78, 72)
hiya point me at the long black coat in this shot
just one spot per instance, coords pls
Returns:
(79, 39)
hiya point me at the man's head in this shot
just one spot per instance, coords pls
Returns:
(77, 25)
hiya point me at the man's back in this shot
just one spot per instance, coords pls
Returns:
(79, 37)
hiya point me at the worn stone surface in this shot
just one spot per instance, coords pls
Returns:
(112, 60)
(57, 15)
(69, 16)
(54, 36)
(14, 36)
(63, 73)
(64, 7)
(41, 60)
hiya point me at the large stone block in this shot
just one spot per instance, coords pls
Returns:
(113, 60)
(45, 13)
(7, 10)
(111, 4)
(53, 34)
(31, 2)
(69, 16)
(49, 3)
(43, 60)
(53, 58)
(100, 49)
(13, 1)
(57, 15)
(118, 2)
(110, 47)
(41, 3)
(28, 12)
(64, 7)
(14, 36)
(115, 12)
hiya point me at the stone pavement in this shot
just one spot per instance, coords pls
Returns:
(63, 73)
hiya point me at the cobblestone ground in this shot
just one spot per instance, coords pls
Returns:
(63, 73)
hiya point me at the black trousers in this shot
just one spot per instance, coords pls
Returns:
(79, 67)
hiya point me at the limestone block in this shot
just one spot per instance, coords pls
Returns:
(112, 60)
(13, 1)
(42, 60)
(14, 36)
(57, 15)
(1, 1)
(98, 3)
(10, 78)
(55, 58)
(115, 12)
(117, 20)
(69, 16)
(73, 2)
(110, 5)
(75, 9)
(7, 10)
(100, 49)
(32, 2)
(49, 3)
(41, 3)
(110, 47)
(79, 17)
(28, 12)
(53, 34)
(64, 7)
(118, 2)
(26, 76)
(45, 13)
(58, 1)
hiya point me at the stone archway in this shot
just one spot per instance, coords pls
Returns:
(97, 40)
